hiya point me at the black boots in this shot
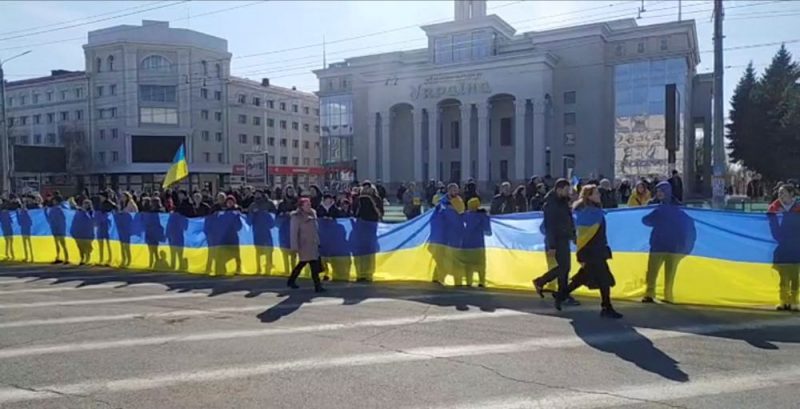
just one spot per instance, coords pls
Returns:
(609, 312)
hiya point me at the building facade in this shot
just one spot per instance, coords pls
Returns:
(146, 91)
(484, 102)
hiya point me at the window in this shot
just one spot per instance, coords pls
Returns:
(284, 160)
(167, 116)
(114, 133)
(219, 158)
(156, 63)
(64, 116)
(283, 142)
(504, 170)
(98, 64)
(455, 171)
(37, 139)
(102, 134)
(344, 83)
(306, 161)
(242, 98)
(664, 44)
(295, 143)
(294, 107)
(242, 138)
(51, 117)
(206, 137)
(37, 119)
(35, 99)
(23, 120)
(51, 138)
(569, 138)
(79, 114)
(455, 137)
(316, 144)
(204, 63)
(101, 157)
(257, 139)
(443, 50)
(505, 132)
(569, 119)
(295, 126)
(158, 93)
(270, 123)
(218, 70)
(640, 47)
(99, 91)
(257, 101)
(49, 96)
(110, 63)
(204, 114)
(569, 97)
(461, 47)
(218, 136)
(316, 111)
(218, 95)
(204, 93)
(271, 104)
(306, 127)
(113, 113)
(23, 139)
(112, 89)
(306, 145)
(295, 161)
(207, 156)
(316, 128)
(78, 92)
(22, 99)
(114, 156)
(218, 116)
(257, 120)
(270, 141)
(271, 159)
(482, 46)
(305, 110)
(283, 106)
(620, 51)
(63, 96)
(283, 124)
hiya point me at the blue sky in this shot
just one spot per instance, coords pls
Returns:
(282, 39)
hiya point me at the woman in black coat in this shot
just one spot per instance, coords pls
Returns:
(593, 251)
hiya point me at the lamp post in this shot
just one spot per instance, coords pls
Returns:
(355, 168)
(5, 157)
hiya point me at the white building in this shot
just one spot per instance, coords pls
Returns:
(145, 91)
(484, 102)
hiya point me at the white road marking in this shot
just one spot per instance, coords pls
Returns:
(663, 392)
(34, 279)
(225, 335)
(64, 303)
(104, 286)
(724, 383)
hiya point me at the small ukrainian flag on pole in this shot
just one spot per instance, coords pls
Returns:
(179, 169)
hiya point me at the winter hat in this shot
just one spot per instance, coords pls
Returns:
(473, 204)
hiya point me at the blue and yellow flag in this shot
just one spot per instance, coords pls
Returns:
(587, 224)
(575, 182)
(178, 170)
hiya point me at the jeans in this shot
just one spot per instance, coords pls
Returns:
(561, 270)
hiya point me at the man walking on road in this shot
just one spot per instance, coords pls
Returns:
(559, 231)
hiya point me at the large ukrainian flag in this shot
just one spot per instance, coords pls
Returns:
(178, 170)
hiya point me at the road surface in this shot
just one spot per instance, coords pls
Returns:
(76, 337)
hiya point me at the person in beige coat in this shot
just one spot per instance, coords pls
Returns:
(304, 241)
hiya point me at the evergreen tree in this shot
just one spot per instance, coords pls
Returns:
(742, 131)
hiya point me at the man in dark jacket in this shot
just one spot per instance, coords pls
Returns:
(381, 191)
(184, 207)
(261, 203)
(328, 209)
(559, 231)
(106, 204)
(471, 191)
(503, 202)
(430, 190)
(677, 185)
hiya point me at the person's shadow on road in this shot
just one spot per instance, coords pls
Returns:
(622, 339)
(291, 303)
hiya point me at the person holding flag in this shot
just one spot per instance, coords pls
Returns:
(179, 169)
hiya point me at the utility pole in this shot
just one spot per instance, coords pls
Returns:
(718, 181)
(5, 154)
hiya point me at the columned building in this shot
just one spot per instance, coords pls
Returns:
(485, 102)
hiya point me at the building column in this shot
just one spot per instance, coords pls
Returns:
(416, 118)
(433, 143)
(519, 139)
(372, 145)
(386, 127)
(483, 141)
(466, 139)
(539, 138)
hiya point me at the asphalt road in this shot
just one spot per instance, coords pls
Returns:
(97, 338)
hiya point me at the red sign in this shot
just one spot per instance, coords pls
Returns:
(295, 170)
(238, 169)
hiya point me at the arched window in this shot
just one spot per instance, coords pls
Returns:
(110, 62)
(156, 63)
(205, 67)
(98, 64)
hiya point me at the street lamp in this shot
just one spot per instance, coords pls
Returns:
(5, 162)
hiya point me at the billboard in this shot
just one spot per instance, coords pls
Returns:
(256, 168)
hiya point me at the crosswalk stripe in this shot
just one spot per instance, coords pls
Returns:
(64, 303)
(656, 392)
(211, 311)
(157, 381)
(104, 286)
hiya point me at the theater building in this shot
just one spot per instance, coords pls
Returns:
(483, 101)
